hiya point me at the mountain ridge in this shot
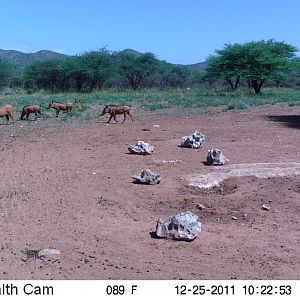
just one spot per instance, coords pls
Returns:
(21, 59)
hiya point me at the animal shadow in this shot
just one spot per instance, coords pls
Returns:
(291, 121)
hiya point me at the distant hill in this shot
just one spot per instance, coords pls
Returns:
(192, 67)
(195, 67)
(131, 51)
(21, 60)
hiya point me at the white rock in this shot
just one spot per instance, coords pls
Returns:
(147, 177)
(200, 206)
(216, 157)
(49, 251)
(194, 140)
(183, 226)
(141, 148)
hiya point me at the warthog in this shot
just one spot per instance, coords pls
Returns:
(5, 111)
(61, 106)
(30, 109)
(114, 110)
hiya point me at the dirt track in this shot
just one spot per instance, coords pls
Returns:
(70, 187)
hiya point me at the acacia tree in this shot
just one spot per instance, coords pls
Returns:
(254, 62)
(227, 65)
(135, 68)
(74, 69)
(98, 68)
(43, 74)
(177, 76)
(6, 70)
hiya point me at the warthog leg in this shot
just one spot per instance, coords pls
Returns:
(124, 117)
(9, 115)
(130, 116)
(110, 118)
(115, 117)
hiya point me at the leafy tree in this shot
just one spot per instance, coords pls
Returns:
(266, 60)
(198, 77)
(98, 67)
(227, 64)
(296, 66)
(74, 69)
(254, 62)
(177, 76)
(43, 74)
(135, 68)
(6, 71)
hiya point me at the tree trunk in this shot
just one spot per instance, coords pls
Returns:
(79, 84)
(230, 83)
(236, 83)
(256, 84)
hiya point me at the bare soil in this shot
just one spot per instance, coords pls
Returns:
(68, 185)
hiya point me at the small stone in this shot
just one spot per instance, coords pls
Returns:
(200, 206)
(265, 207)
(234, 218)
(156, 126)
(94, 173)
(48, 251)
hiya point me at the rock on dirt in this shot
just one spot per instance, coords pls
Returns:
(266, 207)
(194, 140)
(48, 251)
(183, 227)
(164, 162)
(147, 177)
(200, 206)
(141, 148)
(216, 157)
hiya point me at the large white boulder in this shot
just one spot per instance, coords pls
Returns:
(216, 157)
(141, 148)
(147, 177)
(194, 140)
(183, 226)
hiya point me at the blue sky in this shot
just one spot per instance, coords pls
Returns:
(185, 31)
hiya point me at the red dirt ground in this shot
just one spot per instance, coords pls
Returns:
(102, 222)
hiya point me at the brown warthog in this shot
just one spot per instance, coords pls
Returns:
(30, 109)
(5, 111)
(61, 106)
(114, 110)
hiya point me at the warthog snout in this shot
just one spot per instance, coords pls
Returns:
(104, 111)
